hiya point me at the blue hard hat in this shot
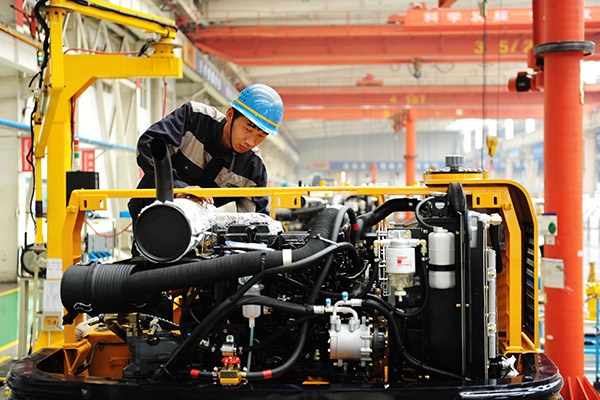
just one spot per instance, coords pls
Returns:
(262, 105)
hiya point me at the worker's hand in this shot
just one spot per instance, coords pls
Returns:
(195, 199)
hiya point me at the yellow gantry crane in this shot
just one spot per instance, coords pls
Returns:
(66, 77)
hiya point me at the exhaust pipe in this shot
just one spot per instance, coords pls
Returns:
(163, 176)
(169, 228)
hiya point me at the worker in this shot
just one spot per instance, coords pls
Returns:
(210, 150)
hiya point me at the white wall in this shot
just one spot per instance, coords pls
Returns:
(9, 193)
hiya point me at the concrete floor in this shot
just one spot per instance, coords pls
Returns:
(9, 303)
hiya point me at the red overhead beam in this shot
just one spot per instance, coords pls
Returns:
(439, 35)
(354, 113)
(431, 95)
(390, 90)
(446, 3)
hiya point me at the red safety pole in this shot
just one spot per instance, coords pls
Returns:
(410, 156)
(563, 50)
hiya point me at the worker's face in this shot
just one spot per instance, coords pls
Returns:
(245, 135)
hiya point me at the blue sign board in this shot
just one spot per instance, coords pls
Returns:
(390, 166)
(214, 78)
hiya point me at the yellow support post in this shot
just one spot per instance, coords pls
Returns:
(67, 77)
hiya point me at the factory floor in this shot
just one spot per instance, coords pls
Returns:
(9, 305)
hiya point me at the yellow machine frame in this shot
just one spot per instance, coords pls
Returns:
(506, 198)
(66, 78)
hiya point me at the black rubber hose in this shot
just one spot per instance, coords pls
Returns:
(363, 291)
(407, 314)
(395, 331)
(337, 225)
(313, 259)
(95, 288)
(339, 220)
(283, 368)
(284, 306)
(183, 352)
(418, 213)
(277, 335)
(207, 272)
(372, 218)
(458, 200)
(311, 210)
(117, 289)
(163, 175)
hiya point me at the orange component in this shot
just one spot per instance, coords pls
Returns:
(111, 354)
(75, 355)
(315, 381)
(522, 83)
(369, 80)
(177, 302)
(525, 82)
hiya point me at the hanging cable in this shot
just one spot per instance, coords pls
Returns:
(31, 161)
(498, 86)
(104, 235)
(164, 110)
(99, 51)
(46, 43)
(30, 157)
(483, 13)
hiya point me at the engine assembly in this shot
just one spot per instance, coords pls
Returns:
(356, 304)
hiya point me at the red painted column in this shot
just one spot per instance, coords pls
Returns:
(19, 12)
(563, 181)
(411, 146)
(539, 29)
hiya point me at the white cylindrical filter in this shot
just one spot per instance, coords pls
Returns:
(252, 311)
(442, 259)
(400, 265)
(400, 257)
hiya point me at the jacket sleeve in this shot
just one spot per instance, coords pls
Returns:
(255, 204)
(171, 128)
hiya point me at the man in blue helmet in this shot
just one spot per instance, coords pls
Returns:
(210, 149)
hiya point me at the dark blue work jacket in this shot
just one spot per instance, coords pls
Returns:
(193, 136)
